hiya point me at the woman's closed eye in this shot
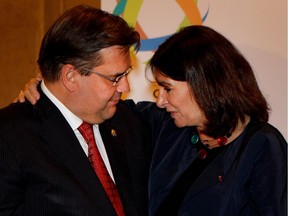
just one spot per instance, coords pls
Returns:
(167, 89)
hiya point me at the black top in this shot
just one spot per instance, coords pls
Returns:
(171, 204)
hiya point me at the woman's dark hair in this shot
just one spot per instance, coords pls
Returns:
(221, 79)
(78, 35)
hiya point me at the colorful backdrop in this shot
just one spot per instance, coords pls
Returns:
(257, 28)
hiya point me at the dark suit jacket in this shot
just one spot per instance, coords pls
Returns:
(44, 171)
(248, 178)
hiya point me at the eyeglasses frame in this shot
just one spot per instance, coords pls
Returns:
(117, 77)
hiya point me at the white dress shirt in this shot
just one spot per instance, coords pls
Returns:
(75, 122)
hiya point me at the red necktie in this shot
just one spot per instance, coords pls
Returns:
(97, 163)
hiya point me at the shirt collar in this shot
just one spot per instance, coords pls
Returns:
(72, 119)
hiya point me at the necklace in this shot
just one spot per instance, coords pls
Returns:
(202, 146)
(198, 146)
(221, 141)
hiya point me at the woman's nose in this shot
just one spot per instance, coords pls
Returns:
(161, 99)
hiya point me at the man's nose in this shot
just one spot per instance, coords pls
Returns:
(123, 85)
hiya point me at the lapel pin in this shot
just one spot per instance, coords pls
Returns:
(113, 133)
(220, 179)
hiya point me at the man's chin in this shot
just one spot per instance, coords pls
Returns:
(103, 116)
(111, 112)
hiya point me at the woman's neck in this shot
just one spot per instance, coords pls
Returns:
(211, 142)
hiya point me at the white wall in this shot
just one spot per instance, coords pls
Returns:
(257, 28)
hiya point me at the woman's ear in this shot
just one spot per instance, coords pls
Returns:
(69, 77)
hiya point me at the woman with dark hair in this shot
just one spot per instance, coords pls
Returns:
(222, 157)
(213, 151)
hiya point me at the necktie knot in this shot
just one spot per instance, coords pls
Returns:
(86, 131)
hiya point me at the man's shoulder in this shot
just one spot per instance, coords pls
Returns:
(136, 106)
(13, 110)
(125, 110)
(14, 118)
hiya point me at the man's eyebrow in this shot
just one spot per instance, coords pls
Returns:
(120, 73)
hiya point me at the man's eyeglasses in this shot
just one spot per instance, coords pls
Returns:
(116, 78)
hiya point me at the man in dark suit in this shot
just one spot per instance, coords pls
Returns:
(44, 168)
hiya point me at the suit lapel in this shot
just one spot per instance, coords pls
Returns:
(116, 147)
(61, 139)
(125, 142)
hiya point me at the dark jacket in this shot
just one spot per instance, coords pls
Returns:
(44, 170)
(248, 178)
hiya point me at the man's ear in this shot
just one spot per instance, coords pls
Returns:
(69, 77)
